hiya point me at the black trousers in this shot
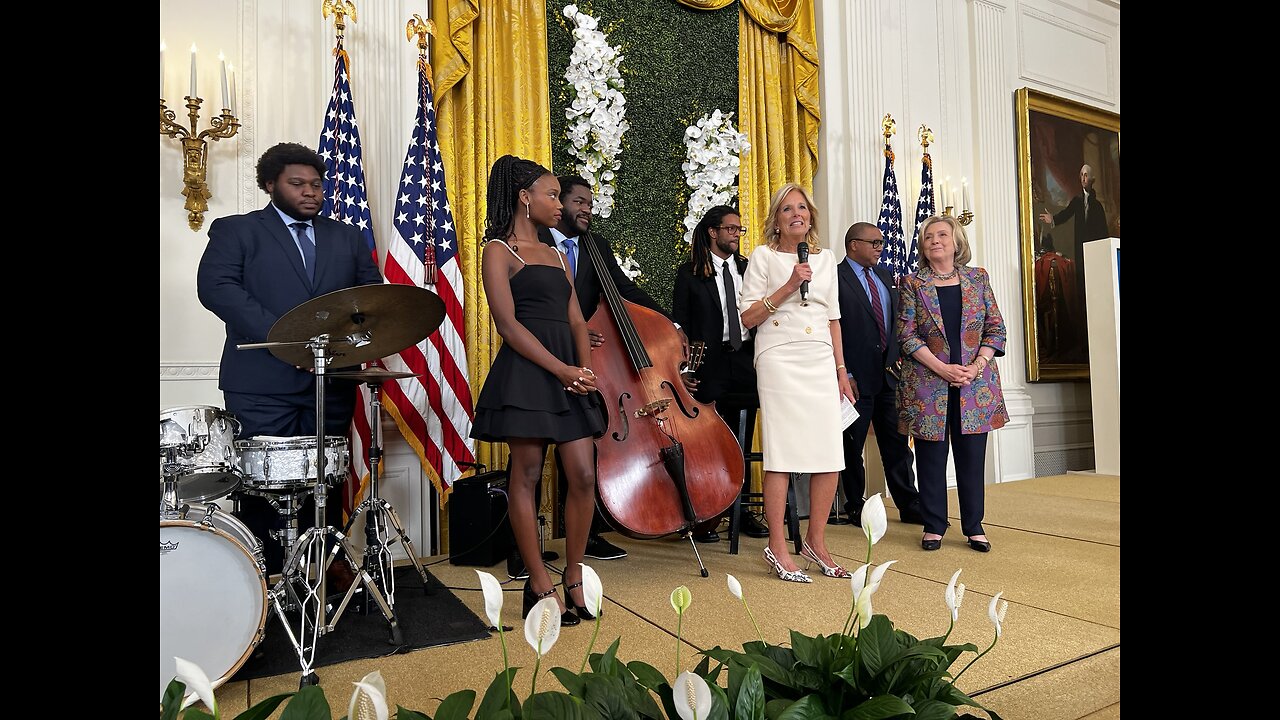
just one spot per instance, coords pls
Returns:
(970, 453)
(880, 410)
(289, 415)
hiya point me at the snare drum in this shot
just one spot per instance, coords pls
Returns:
(285, 464)
(202, 437)
(213, 593)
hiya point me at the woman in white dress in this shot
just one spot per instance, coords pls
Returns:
(800, 373)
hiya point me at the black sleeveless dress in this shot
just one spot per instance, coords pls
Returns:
(520, 399)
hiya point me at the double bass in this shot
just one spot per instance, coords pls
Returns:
(666, 462)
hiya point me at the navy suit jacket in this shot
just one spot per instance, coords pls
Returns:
(251, 274)
(864, 356)
(586, 283)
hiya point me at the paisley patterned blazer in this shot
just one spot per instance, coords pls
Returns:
(922, 394)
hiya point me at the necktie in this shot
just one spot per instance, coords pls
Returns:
(1086, 207)
(877, 307)
(308, 249)
(731, 308)
(569, 253)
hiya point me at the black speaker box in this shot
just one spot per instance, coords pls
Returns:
(479, 531)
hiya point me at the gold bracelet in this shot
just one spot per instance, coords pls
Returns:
(839, 367)
(770, 306)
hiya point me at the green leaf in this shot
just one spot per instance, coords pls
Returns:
(455, 707)
(703, 667)
(607, 663)
(555, 706)
(809, 707)
(496, 697)
(876, 644)
(642, 702)
(934, 710)
(750, 705)
(572, 681)
(808, 650)
(774, 708)
(263, 710)
(307, 704)
(403, 713)
(666, 696)
(719, 703)
(646, 674)
(608, 697)
(171, 701)
(879, 707)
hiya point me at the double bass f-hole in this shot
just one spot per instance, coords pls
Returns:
(622, 418)
(689, 413)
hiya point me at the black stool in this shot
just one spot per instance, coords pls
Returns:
(745, 434)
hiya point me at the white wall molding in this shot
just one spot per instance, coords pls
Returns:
(188, 371)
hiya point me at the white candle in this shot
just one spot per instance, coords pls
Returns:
(233, 89)
(225, 102)
(162, 68)
(193, 70)
(968, 201)
(946, 193)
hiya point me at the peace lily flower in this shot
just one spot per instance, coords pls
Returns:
(492, 590)
(681, 599)
(593, 597)
(198, 685)
(369, 701)
(995, 613)
(954, 597)
(874, 521)
(692, 696)
(735, 589)
(541, 630)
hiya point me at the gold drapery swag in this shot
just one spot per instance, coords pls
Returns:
(778, 97)
(492, 99)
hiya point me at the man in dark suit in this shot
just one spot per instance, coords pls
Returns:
(256, 268)
(1090, 222)
(868, 311)
(705, 304)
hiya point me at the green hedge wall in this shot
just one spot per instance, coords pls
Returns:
(678, 64)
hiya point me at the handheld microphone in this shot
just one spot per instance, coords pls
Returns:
(802, 255)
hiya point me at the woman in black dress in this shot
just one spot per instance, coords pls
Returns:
(540, 388)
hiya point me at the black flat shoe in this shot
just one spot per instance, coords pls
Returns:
(531, 598)
(979, 545)
(931, 544)
(583, 612)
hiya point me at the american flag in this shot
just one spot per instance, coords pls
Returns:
(434, 410)
(894, 256)
(924, 210)
(345, 200)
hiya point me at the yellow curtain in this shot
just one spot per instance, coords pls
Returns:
(777, 100)
(492, 99)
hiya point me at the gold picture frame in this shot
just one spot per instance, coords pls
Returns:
(1062, 145)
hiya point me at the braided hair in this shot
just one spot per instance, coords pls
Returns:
(702, 264)
(509, 176)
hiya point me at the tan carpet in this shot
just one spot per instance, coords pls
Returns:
(1055, 555)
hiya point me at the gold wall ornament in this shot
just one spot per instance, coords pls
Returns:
(420, 29)
(195, 153)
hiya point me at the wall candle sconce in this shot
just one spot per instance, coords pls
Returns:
(195, 146)
(949, 195)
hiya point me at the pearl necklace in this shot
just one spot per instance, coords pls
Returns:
(948, 276)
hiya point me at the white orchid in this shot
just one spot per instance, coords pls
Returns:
(597, 111)
(712, 147)
(874, 520)
(542, 627)
(369, 700)
(954, 596)
(198, 685)
(691, 696)
(628, 264)
(996, 615)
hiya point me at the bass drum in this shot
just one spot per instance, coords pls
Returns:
(213, 592)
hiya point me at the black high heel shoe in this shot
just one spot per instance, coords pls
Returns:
(979, 545)
(583, 612)
(531, 598)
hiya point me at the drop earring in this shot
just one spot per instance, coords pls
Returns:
(526, 211)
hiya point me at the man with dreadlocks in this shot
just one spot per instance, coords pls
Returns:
(540, 388)
(706, 305)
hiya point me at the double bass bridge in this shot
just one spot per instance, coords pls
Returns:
(654, 409)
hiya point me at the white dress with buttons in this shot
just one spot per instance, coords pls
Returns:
(795, 364)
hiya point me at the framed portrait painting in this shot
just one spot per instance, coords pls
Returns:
(1068, 195)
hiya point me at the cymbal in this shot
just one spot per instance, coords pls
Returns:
(373, 374)
(363, 323)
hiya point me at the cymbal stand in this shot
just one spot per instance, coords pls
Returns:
(170, 470)
(308, 559)
(382, 527)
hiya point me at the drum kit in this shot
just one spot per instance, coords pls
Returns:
(214, 591)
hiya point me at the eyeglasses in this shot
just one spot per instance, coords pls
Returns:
(731, 229)
(877, 244)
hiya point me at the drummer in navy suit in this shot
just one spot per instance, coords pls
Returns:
(256, 268)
